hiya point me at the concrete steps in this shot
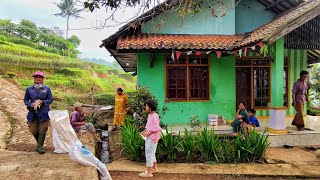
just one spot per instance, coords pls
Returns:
(295, 138)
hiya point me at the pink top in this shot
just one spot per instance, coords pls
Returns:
(300, 88)
(153, 124)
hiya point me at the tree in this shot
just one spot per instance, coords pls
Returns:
(183, 7)
(29, 29)
(57, 31)
(28, 24)
(68, 9)
(45, 30)
(7, 27)
(74, 40)
(314, 82)
(92, 4)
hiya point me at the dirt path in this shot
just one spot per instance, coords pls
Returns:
(11, 102)
(158, 176)
(4, 128)
(17, 157)
(294, 156)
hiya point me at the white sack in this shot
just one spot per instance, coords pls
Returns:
(62, 132)
(82, 154)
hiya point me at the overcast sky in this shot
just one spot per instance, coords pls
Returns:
(41, 12)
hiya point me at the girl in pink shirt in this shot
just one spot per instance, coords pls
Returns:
(152, 134)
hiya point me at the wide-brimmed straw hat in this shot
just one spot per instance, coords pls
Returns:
(77, 104)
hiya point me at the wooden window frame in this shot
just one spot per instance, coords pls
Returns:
(187, 65)
(251, 66)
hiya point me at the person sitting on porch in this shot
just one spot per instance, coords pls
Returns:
(241, 117)
(299, 96)
(77, 121)
(253, 121)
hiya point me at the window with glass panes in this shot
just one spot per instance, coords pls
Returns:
(187, 78)
(257, 70)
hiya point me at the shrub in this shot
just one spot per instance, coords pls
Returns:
(251, 147)
(92, 118)
(132, 142)
(195, 122)
(227, 153)
(188, 145)
(2, 70)
(11, 75)
(136, 104)
(107, 99)
(208, 145)
(169, 145)
(72, 72)
(312, 111)
(204, 146)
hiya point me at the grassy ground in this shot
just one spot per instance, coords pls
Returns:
(70, 80)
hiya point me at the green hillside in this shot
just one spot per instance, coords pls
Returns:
(70, 79)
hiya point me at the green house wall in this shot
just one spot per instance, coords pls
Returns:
(222, 86)
(222, 89)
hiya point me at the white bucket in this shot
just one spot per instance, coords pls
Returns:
(213, 119)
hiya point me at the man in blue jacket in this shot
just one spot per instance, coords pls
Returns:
(37, 99)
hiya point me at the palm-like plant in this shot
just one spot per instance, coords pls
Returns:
(68, 9)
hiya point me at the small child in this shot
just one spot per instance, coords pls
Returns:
(152, 134)
(253, 121)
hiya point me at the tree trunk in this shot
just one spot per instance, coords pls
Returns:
(67, 26)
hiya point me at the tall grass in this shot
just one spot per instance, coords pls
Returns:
(170, 145)
(251, 147)
(7, 138)
(205, 147)
(33, 62)
(209, 145)
(188, 145)
(27, 51)
(227, 151)
(132, 142)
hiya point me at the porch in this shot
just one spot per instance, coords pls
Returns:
(293, 138)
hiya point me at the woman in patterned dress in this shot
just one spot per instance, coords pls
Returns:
(120, 110)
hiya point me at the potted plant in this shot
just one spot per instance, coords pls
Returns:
(195, 122)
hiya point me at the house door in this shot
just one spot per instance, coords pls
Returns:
(243, 84)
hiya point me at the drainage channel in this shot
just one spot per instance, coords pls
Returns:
(102, 148)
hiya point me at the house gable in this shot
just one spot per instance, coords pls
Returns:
(250, 15)
(247, 16)
(200, 23)
(290, 17)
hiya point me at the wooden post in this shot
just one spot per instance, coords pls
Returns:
(92, 100)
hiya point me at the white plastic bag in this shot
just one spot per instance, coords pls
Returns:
(82, 154)
(63, 135)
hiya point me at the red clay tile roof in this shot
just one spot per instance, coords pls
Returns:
(267, 31)
(222, 42)
(160, 41)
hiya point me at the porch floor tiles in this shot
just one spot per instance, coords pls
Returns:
(269, 170)
(293, 138)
